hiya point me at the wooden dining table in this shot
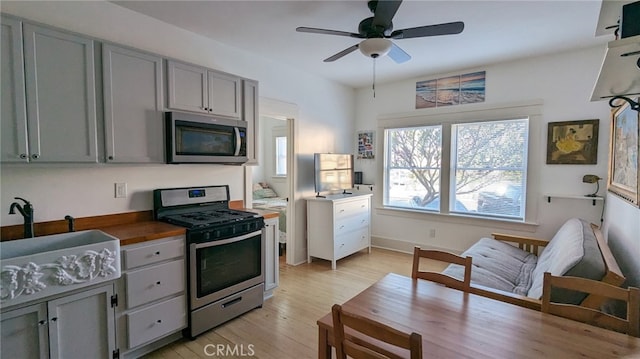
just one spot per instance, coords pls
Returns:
(456, 324)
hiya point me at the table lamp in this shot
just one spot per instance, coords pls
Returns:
(592, 179)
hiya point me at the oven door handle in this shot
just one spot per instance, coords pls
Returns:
(238, 141)
(225, 241)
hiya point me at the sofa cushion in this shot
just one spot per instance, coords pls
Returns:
(497, 265)
(573, 251)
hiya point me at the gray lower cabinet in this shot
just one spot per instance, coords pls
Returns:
(151, 295)
(198, 89)
(78, 325)
(132, 89)
(25, 333)
(270, 233)
(60, 90)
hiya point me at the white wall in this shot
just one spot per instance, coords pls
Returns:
(326, 112)
(563, 83)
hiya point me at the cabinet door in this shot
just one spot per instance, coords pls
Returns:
(61, 103)
(24, 333)
(82, 325)
(271, 270)
(250, 115)
(13, 117)
(187, 87)
(132, 83)
(224, 94)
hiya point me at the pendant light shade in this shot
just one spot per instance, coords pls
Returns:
(375, 47)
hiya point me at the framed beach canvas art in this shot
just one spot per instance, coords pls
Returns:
(452, 90)
(572, 142)
(624, 178)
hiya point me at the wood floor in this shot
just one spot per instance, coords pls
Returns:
(285, 327)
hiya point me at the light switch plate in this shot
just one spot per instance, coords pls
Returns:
(121, 190)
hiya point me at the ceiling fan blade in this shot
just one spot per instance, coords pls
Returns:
(449, 28)
(314, 30)
(385, 11)
(398, 55)
(344, 52)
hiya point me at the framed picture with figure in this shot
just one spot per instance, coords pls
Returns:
(572, 142)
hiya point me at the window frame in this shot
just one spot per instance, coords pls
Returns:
(446, 117)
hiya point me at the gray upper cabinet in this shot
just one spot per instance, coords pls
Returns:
(13, 116)
(132, 88)
(197, 89)
(60, 89)
(250, 114)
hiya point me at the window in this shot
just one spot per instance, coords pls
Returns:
(478, 168)
(281, 155)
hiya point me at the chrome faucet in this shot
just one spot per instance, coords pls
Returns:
(26, 211)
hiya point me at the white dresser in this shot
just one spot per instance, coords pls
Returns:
(338, 225)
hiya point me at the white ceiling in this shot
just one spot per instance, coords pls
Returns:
(495, 31)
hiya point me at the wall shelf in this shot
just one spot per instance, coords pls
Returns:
(574, 196)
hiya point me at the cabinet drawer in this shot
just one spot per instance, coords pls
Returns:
(153, 253)
(149, 284)
(351, 208)
(155, 321)
(351, 223)
(351, 242)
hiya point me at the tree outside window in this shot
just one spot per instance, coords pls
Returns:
(487, 168)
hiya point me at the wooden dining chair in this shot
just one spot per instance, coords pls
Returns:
(629, 325)
(438, 277)
(360, 347)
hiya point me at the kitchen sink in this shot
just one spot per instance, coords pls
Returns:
(34, 268)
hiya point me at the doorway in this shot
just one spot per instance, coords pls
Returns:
(274, 176)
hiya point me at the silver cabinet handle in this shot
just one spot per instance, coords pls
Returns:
(35, 156)
(42, 322)
(23, 156)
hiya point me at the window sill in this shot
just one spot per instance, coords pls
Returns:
(456, 218)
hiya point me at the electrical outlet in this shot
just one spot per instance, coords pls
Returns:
(121, 190)
(432, 233)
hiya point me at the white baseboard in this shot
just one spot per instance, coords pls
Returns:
(404, 246)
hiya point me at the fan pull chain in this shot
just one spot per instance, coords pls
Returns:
(373, 87)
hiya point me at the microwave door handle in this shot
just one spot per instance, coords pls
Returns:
(238, 141)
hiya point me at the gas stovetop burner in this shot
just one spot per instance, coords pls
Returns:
(202, 219)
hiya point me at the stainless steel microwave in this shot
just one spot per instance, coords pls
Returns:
(192, 138)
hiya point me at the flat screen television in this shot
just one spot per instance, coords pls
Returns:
(333, 172)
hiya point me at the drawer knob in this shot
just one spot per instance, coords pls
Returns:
(157, 253)
(42, 322)
(159, 321)
(158, 283)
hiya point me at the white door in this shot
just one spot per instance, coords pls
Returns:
(24, 333)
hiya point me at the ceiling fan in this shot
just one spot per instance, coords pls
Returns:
(377, 30)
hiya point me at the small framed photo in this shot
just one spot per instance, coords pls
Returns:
(624, 178)
(366, 145)
(572, 142)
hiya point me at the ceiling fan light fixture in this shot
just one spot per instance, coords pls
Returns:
(375, 47)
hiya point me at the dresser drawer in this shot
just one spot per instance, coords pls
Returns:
(153, 253)
(152, 283)
(346, 224)
(351, 242)
(351, 208)
(157, 320)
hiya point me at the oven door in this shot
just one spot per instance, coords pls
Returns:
(220, 268)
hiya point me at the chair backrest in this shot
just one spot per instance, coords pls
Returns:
(437, 277)
(629, 325)
(362, 346)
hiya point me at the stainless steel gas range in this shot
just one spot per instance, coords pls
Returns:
(226, 253)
